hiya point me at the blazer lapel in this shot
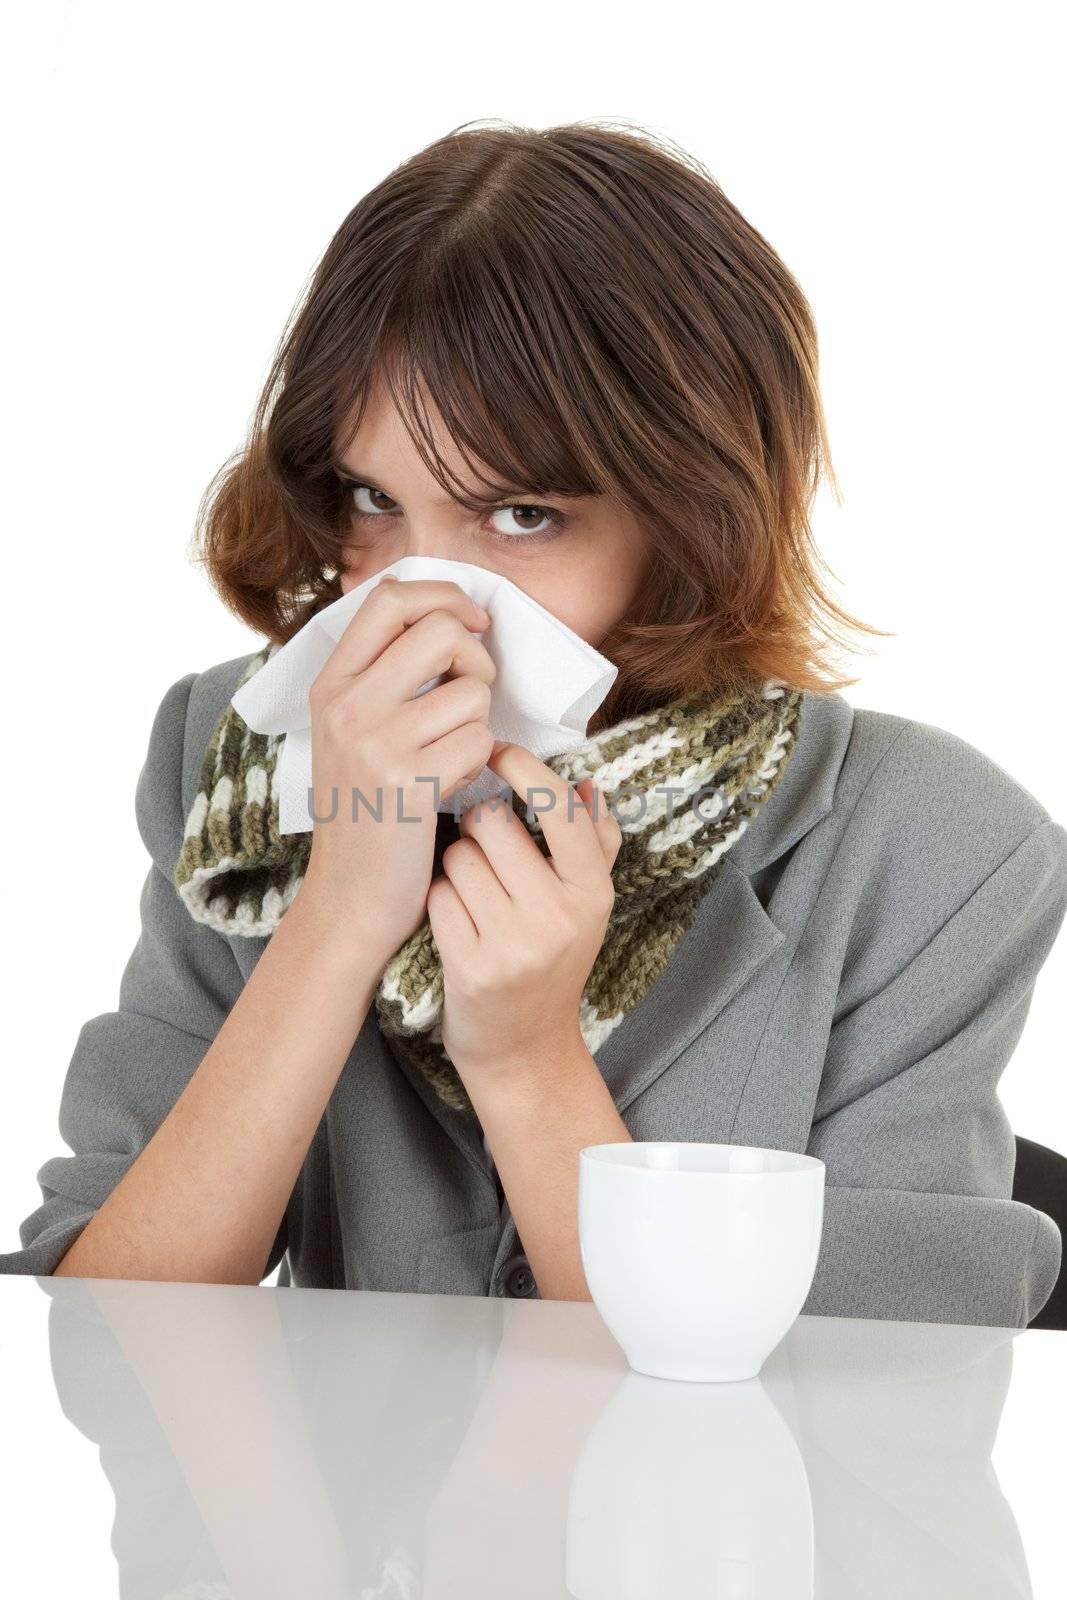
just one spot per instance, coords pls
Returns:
(731, 937)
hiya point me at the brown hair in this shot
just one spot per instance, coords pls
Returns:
(591, 315)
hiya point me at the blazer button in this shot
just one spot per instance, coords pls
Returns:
(518, 1279)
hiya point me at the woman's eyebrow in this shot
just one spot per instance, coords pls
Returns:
(373, 482)
(345, 471)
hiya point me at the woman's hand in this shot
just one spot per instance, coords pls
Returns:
(372, 857)
(518, 932)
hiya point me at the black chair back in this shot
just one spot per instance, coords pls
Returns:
(1041, 1182)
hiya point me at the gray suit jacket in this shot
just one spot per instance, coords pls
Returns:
(853, 986)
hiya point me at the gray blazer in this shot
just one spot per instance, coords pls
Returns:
(853, 986)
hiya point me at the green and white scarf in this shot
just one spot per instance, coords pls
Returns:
(684, 781)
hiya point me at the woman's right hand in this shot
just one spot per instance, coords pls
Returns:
(371, 734)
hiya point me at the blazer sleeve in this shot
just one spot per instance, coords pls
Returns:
(130, 1065)
(919, 1223)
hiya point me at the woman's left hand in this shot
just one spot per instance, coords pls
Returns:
(517, 931)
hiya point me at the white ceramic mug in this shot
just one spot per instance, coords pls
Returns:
(698, 1256)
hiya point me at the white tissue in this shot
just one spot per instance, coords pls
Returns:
(549, 682)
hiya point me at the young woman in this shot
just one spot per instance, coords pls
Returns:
(372, 1052)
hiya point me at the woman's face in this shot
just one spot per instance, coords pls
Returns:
(586, 567)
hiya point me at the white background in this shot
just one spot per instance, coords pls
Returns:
(173, 177)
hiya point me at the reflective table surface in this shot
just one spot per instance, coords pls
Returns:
(203, 1441)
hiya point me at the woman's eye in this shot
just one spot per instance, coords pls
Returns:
(523, 517)
(529, 524)
(374, 510)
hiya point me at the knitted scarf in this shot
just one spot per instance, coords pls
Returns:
(719, 758)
